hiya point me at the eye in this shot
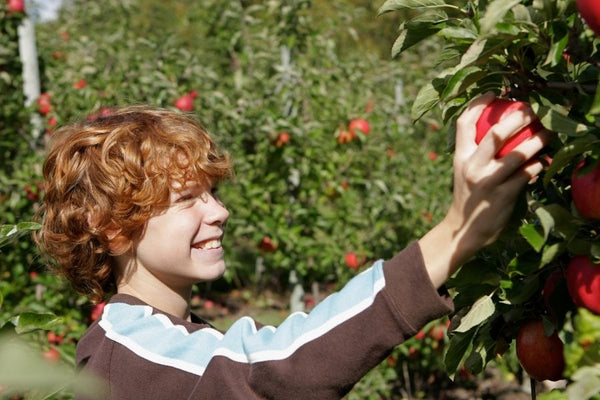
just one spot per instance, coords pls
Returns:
(183, 197)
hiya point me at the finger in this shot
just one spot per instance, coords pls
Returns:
(465, 125)
(499, 133)
(523, 153)
(527, 173)
(530, 147)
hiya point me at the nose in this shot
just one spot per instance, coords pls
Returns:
(216, 212)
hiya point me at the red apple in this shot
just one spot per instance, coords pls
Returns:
(540, 356)
(432, 155)
(590, 12)
(583, 282)
(15, 6)
(51, 355)
(80, 84)
(54, 338)
(282, 139)
(267, 245)
(44, 104)
(555, 294)
(185, 103)
(352, 261)
(344, 137)
(494, 113)
(585, 190)
(359, 125)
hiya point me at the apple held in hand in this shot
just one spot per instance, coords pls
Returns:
(494, 113)
(590, 12)
(583, 282)
(540, 356)
(585, 190)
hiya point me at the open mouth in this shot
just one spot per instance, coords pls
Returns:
(208, 244)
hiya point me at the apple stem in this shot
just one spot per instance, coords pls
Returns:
(532, 382)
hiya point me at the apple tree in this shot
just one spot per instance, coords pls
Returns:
(311, 193)
(545, 53)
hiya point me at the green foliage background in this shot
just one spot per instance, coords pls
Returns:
(259, 68)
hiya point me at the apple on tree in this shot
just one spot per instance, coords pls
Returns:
(494, 113)
(44, 104)
(267, 245)
(359, 125)
(585, 190)
(80, 84)
(352, 260)
(185, 102)
(51, 355)
(555, 294)
(283, 138)
(583, 282)
(541, 356)
(15, 6)
(344, 136)
(590, 12)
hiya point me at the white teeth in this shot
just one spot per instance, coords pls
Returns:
(211, 244)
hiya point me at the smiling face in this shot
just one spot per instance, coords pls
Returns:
(182, 245)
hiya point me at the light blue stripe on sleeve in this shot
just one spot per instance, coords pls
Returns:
(155, 338)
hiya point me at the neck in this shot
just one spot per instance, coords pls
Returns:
(173, 301)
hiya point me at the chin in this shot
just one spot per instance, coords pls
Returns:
(212, 272)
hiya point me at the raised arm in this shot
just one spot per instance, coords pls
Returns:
(485, 189)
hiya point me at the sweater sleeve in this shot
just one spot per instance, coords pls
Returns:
(320, 355)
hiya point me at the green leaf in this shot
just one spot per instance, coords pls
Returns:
(555, 394)
(587, 383)
(427, 98)
(564, 155)
(461, 81)
(397, 5)
(412, 33)
(457, 33)
(495, 11)
(595, 108)
(10, 232)
(558, 220)
(458, 350)
(533, 236)
(587, 326)
(556, 122)
(558, 46)
(481, 310)
(551, 253)
(520, 290)
(30, 321)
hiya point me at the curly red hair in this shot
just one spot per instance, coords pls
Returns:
(106, 176)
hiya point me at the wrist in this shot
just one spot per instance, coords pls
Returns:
(445, 248)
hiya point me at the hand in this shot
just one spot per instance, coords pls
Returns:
(485, 188)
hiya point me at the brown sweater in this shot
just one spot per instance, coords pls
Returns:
(144, 353)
